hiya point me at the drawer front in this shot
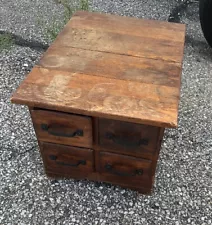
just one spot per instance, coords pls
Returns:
(66, 160)
(62, 128)
(128, 138)
(126, 170)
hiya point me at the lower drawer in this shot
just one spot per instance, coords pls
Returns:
(121, 169)
(66, 160)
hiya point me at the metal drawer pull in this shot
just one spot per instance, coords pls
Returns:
(80, 162)
(57, 130)
(126, 142)
(137, 172)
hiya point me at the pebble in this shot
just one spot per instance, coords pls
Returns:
(183, 171)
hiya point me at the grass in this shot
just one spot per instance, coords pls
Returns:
(6, 41)
(53, 30)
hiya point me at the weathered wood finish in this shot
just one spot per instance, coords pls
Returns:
(126, 169)
(155, 42)
(66, 159)
(62, 128)
(101, 96)
(129, 25)
(112, 67)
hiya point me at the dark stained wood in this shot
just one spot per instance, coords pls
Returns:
(100, 96)
(109, 65)
(67, 160)
(62, 128)
(95, 142)
(128, 138)
(156, 155)
(160, 139)
(125, 169)
(64, 161)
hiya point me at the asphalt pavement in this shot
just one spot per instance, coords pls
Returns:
(183, 187)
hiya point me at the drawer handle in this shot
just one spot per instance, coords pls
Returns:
(126, 142)
(80, 162)
(137, 172)
(59, 131)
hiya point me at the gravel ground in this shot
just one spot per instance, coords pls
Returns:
(183, 189)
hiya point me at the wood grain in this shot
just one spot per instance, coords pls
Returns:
(128, 25)
(62, 128)
(100, 96)
(123, 169)
(67, 160)
(109, 65)
(64, 161)
(128, 138)
(136, 26)
(139, 38)
(123, 44)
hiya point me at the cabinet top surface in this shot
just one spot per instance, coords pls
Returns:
(110, 66)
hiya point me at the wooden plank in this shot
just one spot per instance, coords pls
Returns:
(133, 22)
(112, 66)
(125, 25)
(124, 44)
(99, 96)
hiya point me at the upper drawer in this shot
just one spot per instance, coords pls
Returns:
(62, 128)
(128, 138)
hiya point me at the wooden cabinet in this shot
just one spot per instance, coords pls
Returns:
(107, 150)
(102, 95)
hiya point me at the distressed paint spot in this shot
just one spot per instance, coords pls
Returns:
(71, 94)
(72, 63)
(44, 71)
(98, 93)
(147, 91)
(120, 103)
(147, 105)
(137, 88)
(58, 89)
(53, 61)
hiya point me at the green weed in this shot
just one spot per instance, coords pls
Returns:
(6, 41)
(57, 25)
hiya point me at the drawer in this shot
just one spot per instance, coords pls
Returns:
(62, 128)
(128, 138)
(66, 160)
(126, 170)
